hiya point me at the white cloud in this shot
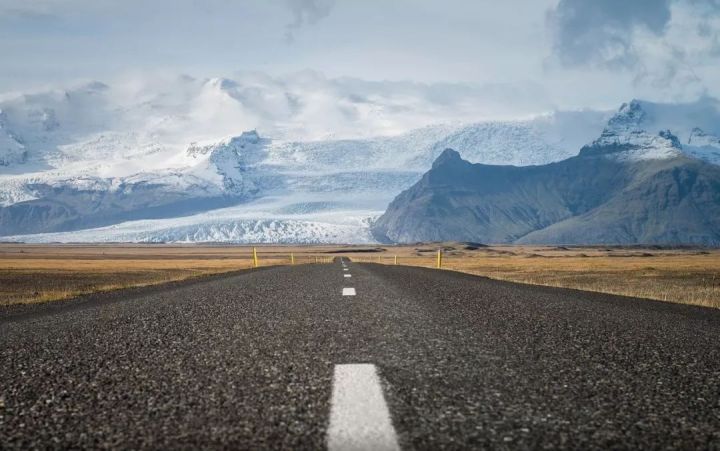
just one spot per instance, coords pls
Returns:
(298, 106)
(587, 54)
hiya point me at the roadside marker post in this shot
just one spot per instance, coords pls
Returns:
(439, 259)
(255, 258)
(292, 258)
(396, 259)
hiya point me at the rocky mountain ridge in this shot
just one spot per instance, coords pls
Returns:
(629, 186)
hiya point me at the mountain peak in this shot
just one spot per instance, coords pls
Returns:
(635, 145)
(629, 116)
(674, 141)
(250, 137)
(447, 156)
(627, 137)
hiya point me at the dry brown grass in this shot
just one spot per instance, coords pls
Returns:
(32, 274)
(39, 273)
(687, 276)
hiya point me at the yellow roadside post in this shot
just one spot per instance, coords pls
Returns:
(316, 259)
(396, 259)
(292, 258)
(255, 259)
(439, 259)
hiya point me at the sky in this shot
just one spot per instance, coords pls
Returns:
(551, 53)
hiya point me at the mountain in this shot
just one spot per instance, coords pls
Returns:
(540, 140)
(215, 179)
(256, 158)
(629, 186)
(11, 150)
(695, 124)
(184, 162)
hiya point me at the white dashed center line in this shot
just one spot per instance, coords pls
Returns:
(348, 291)
(359, 417)
(347, 275)
(345, 269)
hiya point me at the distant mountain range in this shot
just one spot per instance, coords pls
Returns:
(91, 164)
(94, 164)
(628, 186)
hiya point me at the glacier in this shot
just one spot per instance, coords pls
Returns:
(253, 160)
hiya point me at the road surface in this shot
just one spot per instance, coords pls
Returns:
(290, 358)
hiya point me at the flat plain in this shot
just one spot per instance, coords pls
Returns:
(41, 273)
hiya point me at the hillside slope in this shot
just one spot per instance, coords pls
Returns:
(645, 191)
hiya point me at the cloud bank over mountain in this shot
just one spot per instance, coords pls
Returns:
(578, 53)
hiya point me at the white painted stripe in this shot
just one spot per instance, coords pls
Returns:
(345, 269)
(348, 291)
(347, 275)
(359, 417)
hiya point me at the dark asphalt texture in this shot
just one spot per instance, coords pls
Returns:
(246, 361)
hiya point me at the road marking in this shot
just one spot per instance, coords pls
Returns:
(348, 291)
(345, 269)
(359, 417)
(347, 275)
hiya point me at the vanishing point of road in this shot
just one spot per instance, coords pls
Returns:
(358, 356)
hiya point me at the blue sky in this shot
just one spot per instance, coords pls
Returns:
(583, 53)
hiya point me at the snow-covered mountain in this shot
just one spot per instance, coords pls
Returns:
(255, 159)
(11, 151)
(624, 138)
(694, 128)
(632, 185)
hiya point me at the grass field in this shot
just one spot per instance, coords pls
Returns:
(687, 276)
(40, 273)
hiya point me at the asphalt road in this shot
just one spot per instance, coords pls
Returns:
(246, 362)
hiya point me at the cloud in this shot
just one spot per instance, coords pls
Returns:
(306, 12)
(591, 32)
(668, 46)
